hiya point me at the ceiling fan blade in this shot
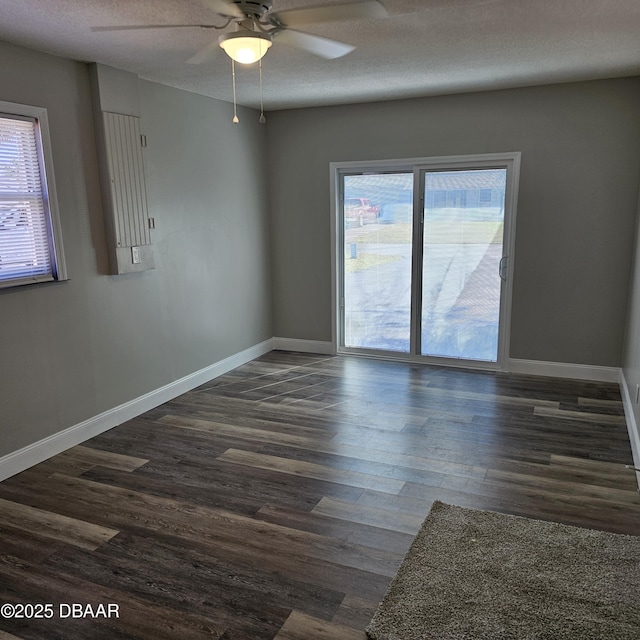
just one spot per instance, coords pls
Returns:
(224, 8)
(135, 27)
(206, 54)
(359, 10)
(317, 45)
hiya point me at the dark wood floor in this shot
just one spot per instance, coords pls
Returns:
(277, 501)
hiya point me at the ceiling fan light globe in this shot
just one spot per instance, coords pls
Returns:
(245, 48)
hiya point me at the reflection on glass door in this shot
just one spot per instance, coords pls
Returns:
(462, 251)
(377, 243)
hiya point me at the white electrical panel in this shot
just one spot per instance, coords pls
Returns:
(126, 179)
(120, 155)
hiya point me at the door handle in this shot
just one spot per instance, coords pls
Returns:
(502, 267)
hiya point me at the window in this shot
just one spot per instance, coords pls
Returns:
(30, 238)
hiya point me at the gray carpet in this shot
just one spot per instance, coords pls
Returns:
(479, 575)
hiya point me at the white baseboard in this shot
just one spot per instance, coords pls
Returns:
(564, 370)
(58, 442)
(304, 346)
(632, 425)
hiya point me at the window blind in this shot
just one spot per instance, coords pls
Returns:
(26, 252)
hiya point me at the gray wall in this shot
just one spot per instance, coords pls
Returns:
(580, 147)
(73, 350)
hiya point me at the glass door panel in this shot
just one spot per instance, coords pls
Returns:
(377, 250)
(461, 258)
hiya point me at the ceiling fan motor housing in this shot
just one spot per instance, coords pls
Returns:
(253, 8)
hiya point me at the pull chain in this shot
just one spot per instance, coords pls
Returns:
(233, 75)
(262, 119)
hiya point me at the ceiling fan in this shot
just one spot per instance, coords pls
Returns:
(257, 27)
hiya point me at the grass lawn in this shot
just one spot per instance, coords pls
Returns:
(366, 261)
(466, 232)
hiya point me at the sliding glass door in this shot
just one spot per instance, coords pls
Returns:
(377, 229)
(462, 250)
(423, 268)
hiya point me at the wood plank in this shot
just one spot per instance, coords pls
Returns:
(490, 398)
(355, 611)
(592, 491)
(570, 469)
(339, 529)
(89, 455)
(76, 532)
(302, 627)
(310, 470)
(223, 484)
(246, 433)
(586, 416)
(602, 402)
(403, 523)
(24, 544)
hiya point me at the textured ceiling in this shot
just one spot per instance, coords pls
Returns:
(425, 47)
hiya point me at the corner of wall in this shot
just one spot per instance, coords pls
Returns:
(632, 425)
(304, 346)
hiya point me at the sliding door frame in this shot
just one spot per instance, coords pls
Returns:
(419, 166)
